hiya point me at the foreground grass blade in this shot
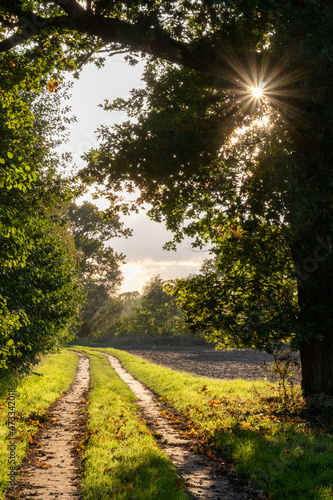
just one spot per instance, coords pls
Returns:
(122, 460)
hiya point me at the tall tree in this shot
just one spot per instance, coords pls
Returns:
(252, 176)
(99, 263)
(261, 196)
(184, 151)
(39, 287)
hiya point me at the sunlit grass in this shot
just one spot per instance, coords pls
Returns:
(288, 457)
(122, 459)
(34, 394)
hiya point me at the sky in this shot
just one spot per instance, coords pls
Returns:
(145, 257)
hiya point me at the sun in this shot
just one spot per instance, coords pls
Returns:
(257, 92)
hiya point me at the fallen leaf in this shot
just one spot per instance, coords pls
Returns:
(179, 483)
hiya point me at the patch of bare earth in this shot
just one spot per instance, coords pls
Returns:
(204, 360)
(203, 478)
(50, 469)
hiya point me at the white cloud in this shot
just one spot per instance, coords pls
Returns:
(138, 273)
(145, 256)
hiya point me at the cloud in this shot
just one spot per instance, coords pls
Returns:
(148, 240)
(138, 273)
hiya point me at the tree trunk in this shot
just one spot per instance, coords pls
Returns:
(313, 258)
(317, 366)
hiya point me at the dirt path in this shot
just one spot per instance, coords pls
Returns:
(50, 469)
(202, 482)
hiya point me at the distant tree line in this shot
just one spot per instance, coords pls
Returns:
(106, 312)
(151, 313)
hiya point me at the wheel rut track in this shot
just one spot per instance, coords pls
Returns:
(60, 478)
(195, 469)
(51, 469)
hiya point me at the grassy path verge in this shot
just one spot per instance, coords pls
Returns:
(122, 459)
(32, 397)
(289, 457)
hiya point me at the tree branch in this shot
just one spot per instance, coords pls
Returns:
(114, 53)
(71, 7)
(152, 40)
(33, 25)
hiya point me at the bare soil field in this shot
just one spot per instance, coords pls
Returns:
(206, 361)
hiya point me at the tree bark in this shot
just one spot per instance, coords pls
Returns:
(312, 255)
(317, 366)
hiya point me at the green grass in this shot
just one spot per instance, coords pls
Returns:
(289, 457)
(121, 459)
(34, 394)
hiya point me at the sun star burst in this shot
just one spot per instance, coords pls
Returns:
(257, 92)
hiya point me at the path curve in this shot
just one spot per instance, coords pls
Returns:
(193, 468)
(51, 471)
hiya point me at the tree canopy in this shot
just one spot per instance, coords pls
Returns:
(187, 32)
(39, 284)
(151, 314)
(99, 263)
(248, 174)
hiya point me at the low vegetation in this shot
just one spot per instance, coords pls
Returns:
(286, 449)
(122, 459)
(33, 395)
(288, 452)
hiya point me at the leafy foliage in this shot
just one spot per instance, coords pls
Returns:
(39, 287)
(246, 296)
(44, 294)
(153, 313)
(99, 264)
